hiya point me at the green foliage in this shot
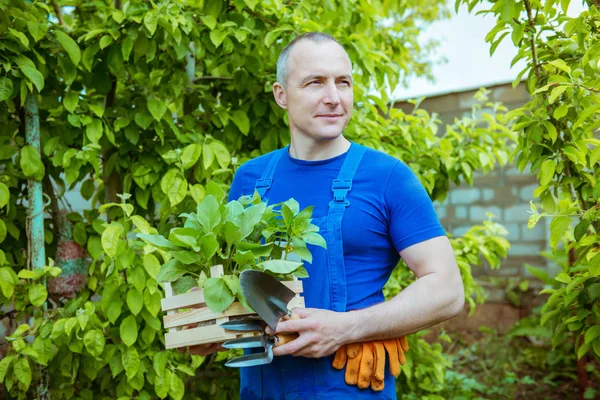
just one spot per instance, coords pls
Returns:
(240, 235)
(157, 100)
(558, 140)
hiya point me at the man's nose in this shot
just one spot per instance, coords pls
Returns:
(331, 95)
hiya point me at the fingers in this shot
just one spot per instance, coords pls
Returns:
(392, 349)
(353, 367)
(404, 343)
(401, 356)
(353, 349)
(379, 367)
(204, 349)
(339, 361)
(365, 371)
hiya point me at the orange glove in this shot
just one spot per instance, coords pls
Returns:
(365, 362)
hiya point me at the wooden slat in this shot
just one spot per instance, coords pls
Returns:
(204, 314)
(194, 298)
(196, 336)
(294, 286)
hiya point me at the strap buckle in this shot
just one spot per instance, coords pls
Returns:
(263, 183)
(340, 188)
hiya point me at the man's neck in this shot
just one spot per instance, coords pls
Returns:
(306, 149)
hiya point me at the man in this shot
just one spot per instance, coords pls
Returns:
(370, 208)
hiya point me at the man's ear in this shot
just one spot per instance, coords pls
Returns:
(280, 95)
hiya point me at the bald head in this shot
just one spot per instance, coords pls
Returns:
(283, 61)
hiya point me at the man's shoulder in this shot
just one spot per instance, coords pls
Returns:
(257, 164)
(378, 160)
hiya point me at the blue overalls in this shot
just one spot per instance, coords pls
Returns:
(289, 377)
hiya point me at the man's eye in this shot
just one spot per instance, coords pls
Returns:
(346, 83)
(313, 82)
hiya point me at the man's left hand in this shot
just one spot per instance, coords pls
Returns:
(321, 333)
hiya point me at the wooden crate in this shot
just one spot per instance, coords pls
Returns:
(189, 309)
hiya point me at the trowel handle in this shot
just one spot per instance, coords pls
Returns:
(284, 338)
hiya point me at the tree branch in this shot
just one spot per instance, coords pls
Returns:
(532, 40)
(58, 12)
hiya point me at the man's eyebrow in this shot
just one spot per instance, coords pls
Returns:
(320, 77)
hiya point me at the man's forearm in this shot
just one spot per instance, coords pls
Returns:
(431, 299)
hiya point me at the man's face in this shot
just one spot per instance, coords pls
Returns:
(319, 94)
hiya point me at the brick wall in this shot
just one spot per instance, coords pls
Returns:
(505, 193)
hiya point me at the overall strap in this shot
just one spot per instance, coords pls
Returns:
(263, 185)
(335, 249)
(343, 184)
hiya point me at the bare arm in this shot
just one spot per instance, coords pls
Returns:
(436, 295)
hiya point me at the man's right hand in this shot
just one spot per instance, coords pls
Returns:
(203, 349)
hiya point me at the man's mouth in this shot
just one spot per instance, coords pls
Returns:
(329, 116)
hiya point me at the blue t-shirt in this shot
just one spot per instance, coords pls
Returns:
(389, 211)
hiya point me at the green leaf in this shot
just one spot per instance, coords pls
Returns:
(209, 244)
(152, 302)
(157, 240)
(157, 108)
(558, 227)
(2, 231)
(151, 21)
(240, 119)
(217, 37)
(4, 365)
(135, 301)
(209, 21)
(162, 384)
(151, 265)
(208, 213)
(129, 331)
(160, 362)
(561, 111)
(280, 266)
(221, 153)
(217, 294)
(6, 88)
(560, 64)
(94, 130)
(37, 30)
(111, 238)
(34, 76)
(70, 46)
(22, 371)
(80, 233)
(131, 362)
(21, 36)
(547, 172)
(186, 257)
(557, 91)
(190, 155)
(70, 101)
(551, 131)
(94, 342)
(8, 281)
(105, 41)
(4, 195)
(170, 271)
(177, 387)
(174, 185)
(314, 239)
(198, 193)
(31, 164)
(207, 156)
(37, 294)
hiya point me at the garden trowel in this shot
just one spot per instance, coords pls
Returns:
(269, 298)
